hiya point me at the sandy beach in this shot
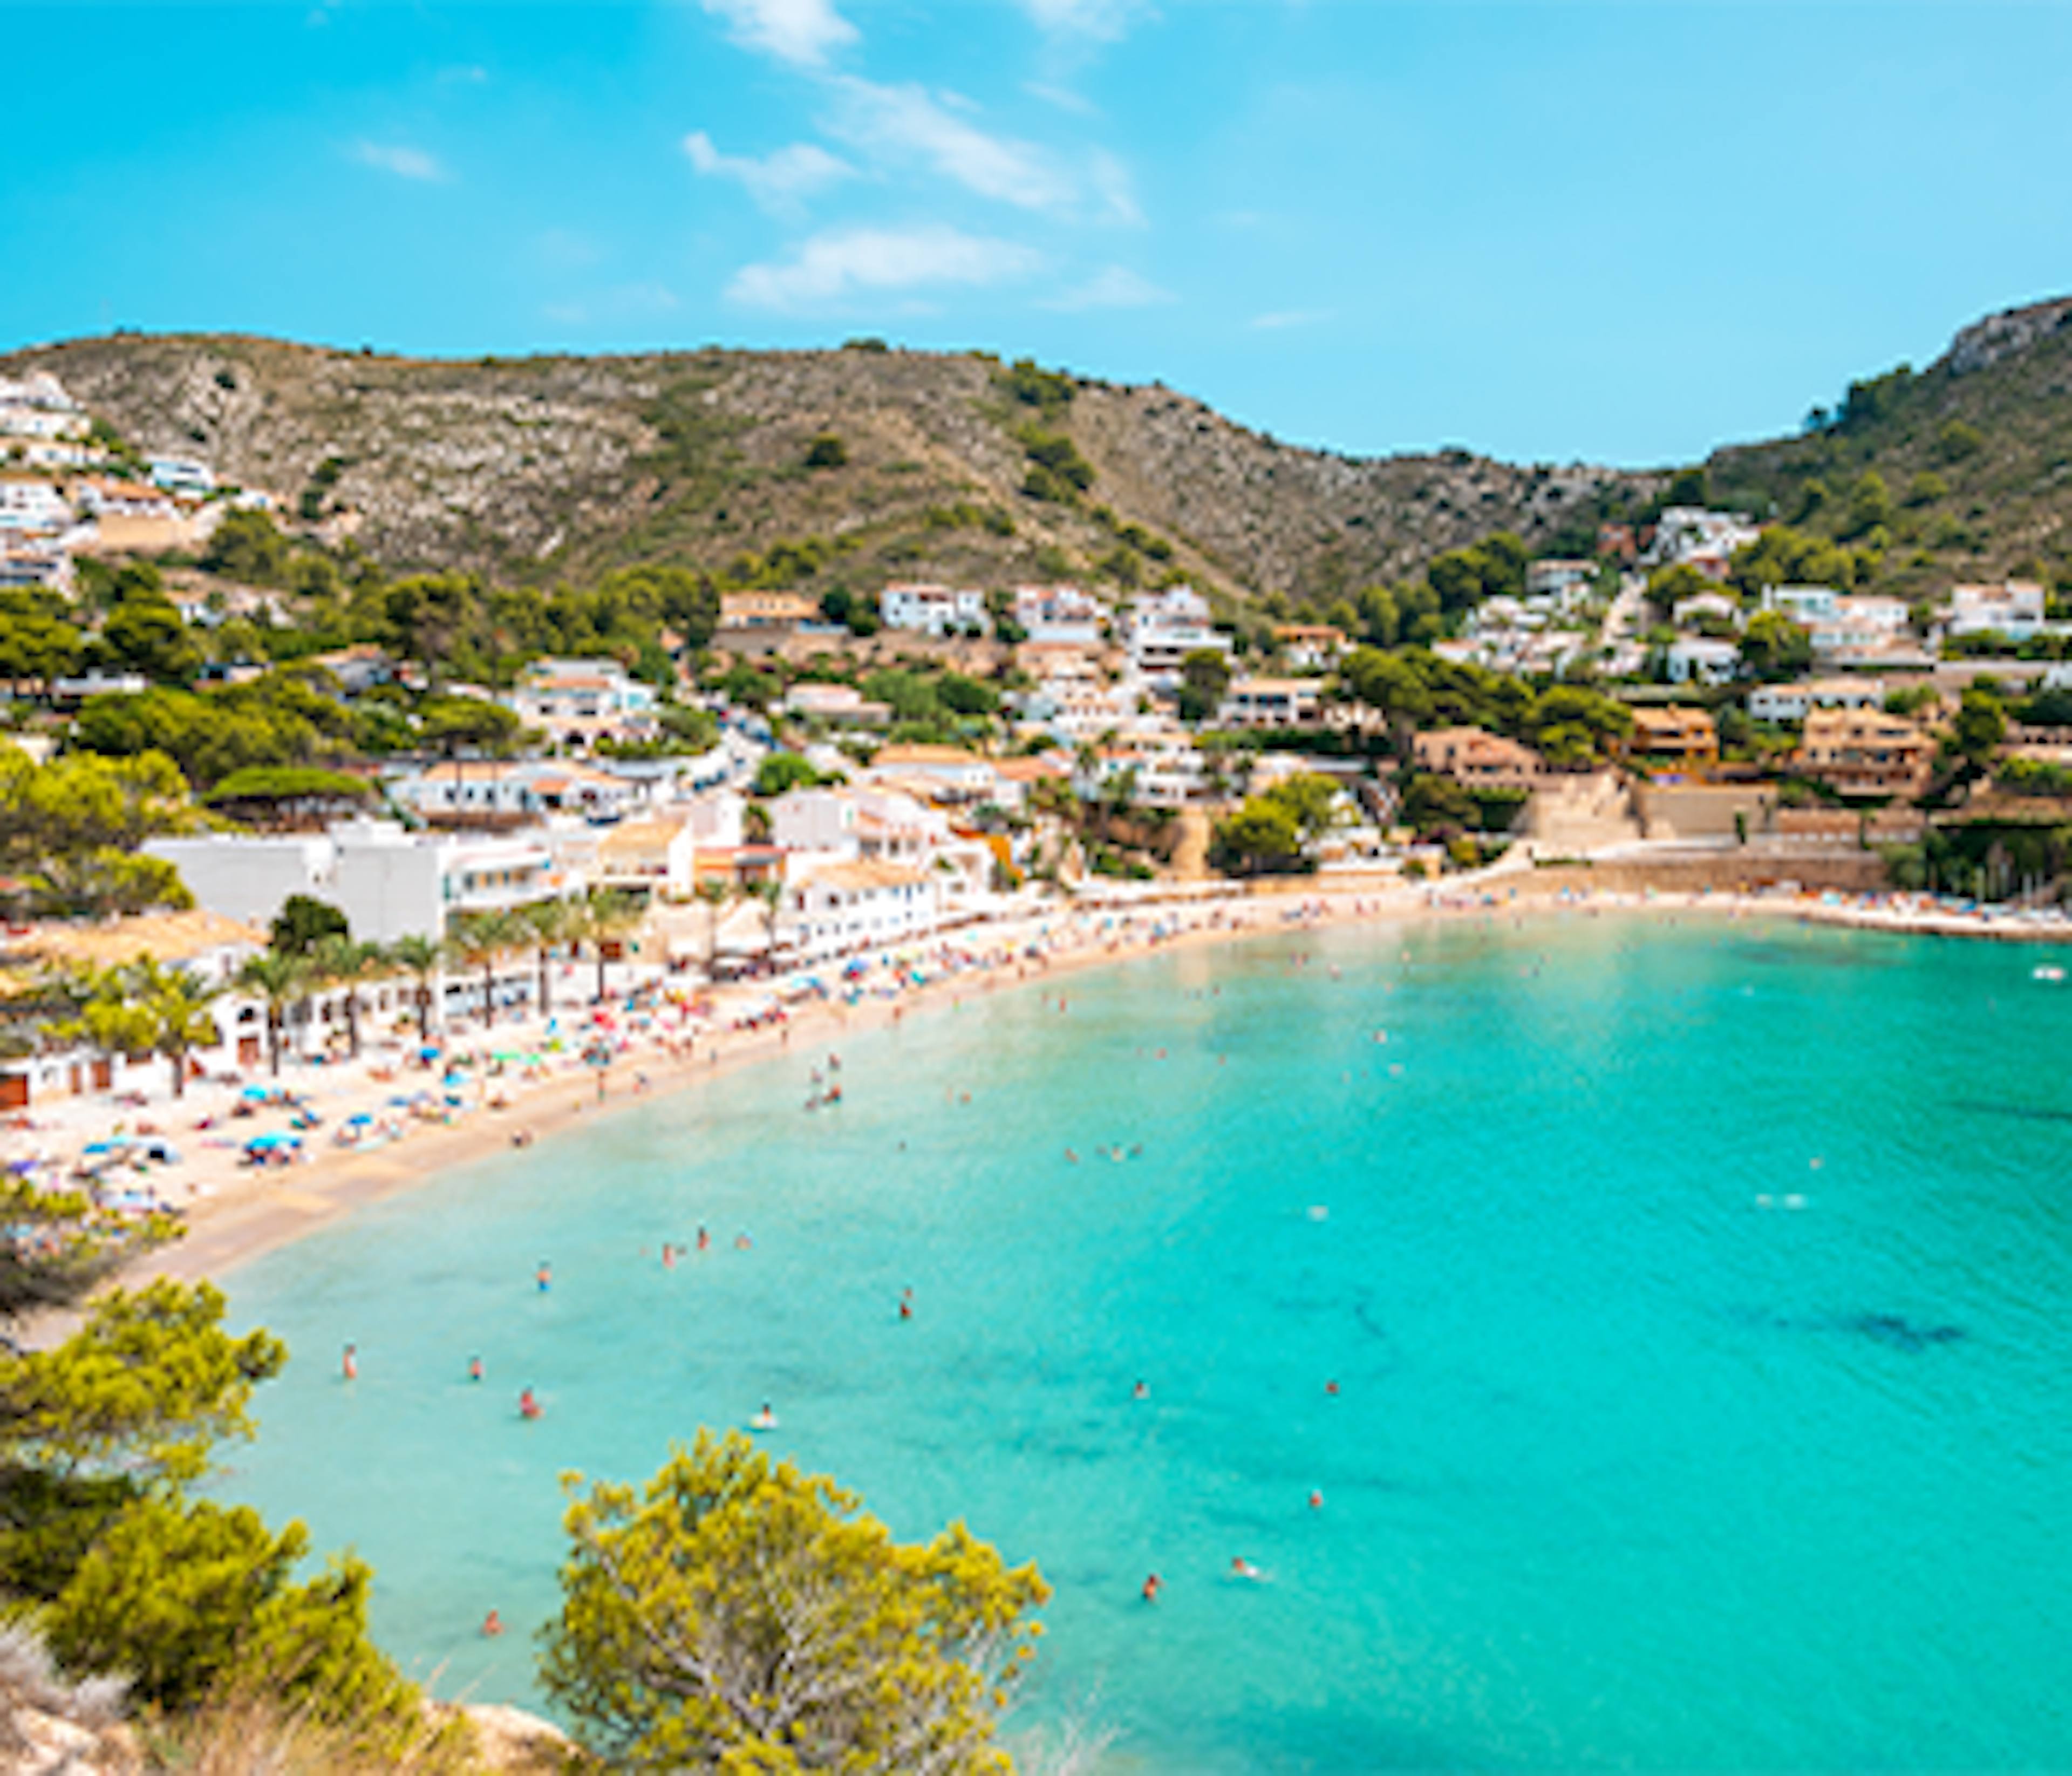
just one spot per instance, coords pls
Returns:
(403, 1113)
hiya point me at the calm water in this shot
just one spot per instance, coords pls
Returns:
(1626, 1470)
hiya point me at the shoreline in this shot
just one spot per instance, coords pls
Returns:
(234, 1215)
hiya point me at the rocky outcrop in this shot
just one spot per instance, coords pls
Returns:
(1986, 342)
(49, 1727)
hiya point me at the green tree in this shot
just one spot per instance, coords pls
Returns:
(338, 960)
(302, 923)
(608, 920)
(1774, 647)
(280, 983)
(469, 724)
(826, 451)
(177, 1002)
(713, 893)
(1311, 800)
(481, 940)
(248, 546)
(737, 1614)
(421, 958)
(427, 615)
(1205, 678)
(39, 642)
(1261, 835)
(147, 634)
(1980, 727)
(781, 772)
(549, 925)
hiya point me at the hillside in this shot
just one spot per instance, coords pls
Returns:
(552, 468)
(1974, 454)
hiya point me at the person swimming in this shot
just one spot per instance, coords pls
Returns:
(350, 1363)
(543, 1276)
(764, 1420)
(705, 1240)
(528, 1407)
(475, 1368)
(1242, 1568)
(492, 1624)
(1140, 1391)
(1152, 1587)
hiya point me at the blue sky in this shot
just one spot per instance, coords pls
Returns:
(1615, 232)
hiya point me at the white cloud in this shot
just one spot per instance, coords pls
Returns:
(849, 261)
(1116, 287)
(778, 181)
(1111, 180)
(1063, 97)
(1104, 19)
(625, 302)
(404, 162)
(905, 120)
(801, 32)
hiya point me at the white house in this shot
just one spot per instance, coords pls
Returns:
(1801, 603)
(181, 474)
(1691, 534)
(1706, 604)
(387, 882)
(2017, 609)
(28, 505)
(22, 565)
(1564, 583)
(492, 792)
(842, 907)
(1790, 702)
(1692, 659)
(1161, 629)
(1271, 703)
(579, 702)
(1059, 614)
(933, 610)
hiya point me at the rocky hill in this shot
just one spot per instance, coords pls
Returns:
(1962, 471)
(872, 462)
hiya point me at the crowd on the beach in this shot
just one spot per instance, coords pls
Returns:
(236, 1134)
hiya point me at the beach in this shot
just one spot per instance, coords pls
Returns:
(345, 1133)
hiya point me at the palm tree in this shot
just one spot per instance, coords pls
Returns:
(771, 892)
(420, 957)
(608, 918)
(549, 924)
(715, 894)
(339, 961)
(479, 941)
(281, 981)
(177, 1001)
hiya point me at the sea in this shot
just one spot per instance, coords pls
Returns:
(1609, 1343)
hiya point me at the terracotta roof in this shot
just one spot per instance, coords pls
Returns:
(170, 937)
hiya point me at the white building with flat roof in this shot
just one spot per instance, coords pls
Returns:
(1161, 629)
(933, 610)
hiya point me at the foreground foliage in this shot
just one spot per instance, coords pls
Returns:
(738, 1615)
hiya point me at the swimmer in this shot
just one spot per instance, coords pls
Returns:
(668, 1255)
(1242, 1568)
(543, 1276)
(906, 1310)
(741, 1242)
(705, 1240)
(1140, 1391)
(350, 1365)
(528, 1406)
(1316, 1500)
(764, 1420)
(1152, 1587)
(1331, 1387)
(492, 1624)
(1071, 1157)
(475, 1368)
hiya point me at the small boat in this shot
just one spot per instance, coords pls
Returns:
(2049, 971)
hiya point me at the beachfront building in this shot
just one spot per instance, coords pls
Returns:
(1864, 752)
(842, 908)
(1686, 735)
(1059, 614)
(933, 610)
(1478, 758)
(578, 702)
(1271, 703)
(1161, 629)
(389, 883)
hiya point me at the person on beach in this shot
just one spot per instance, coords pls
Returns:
(351, 1364)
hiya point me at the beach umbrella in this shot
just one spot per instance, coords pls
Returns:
(254, 1094)
(115, 1146)
(360, 1120)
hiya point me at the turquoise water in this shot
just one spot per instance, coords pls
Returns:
(1626, 1470)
